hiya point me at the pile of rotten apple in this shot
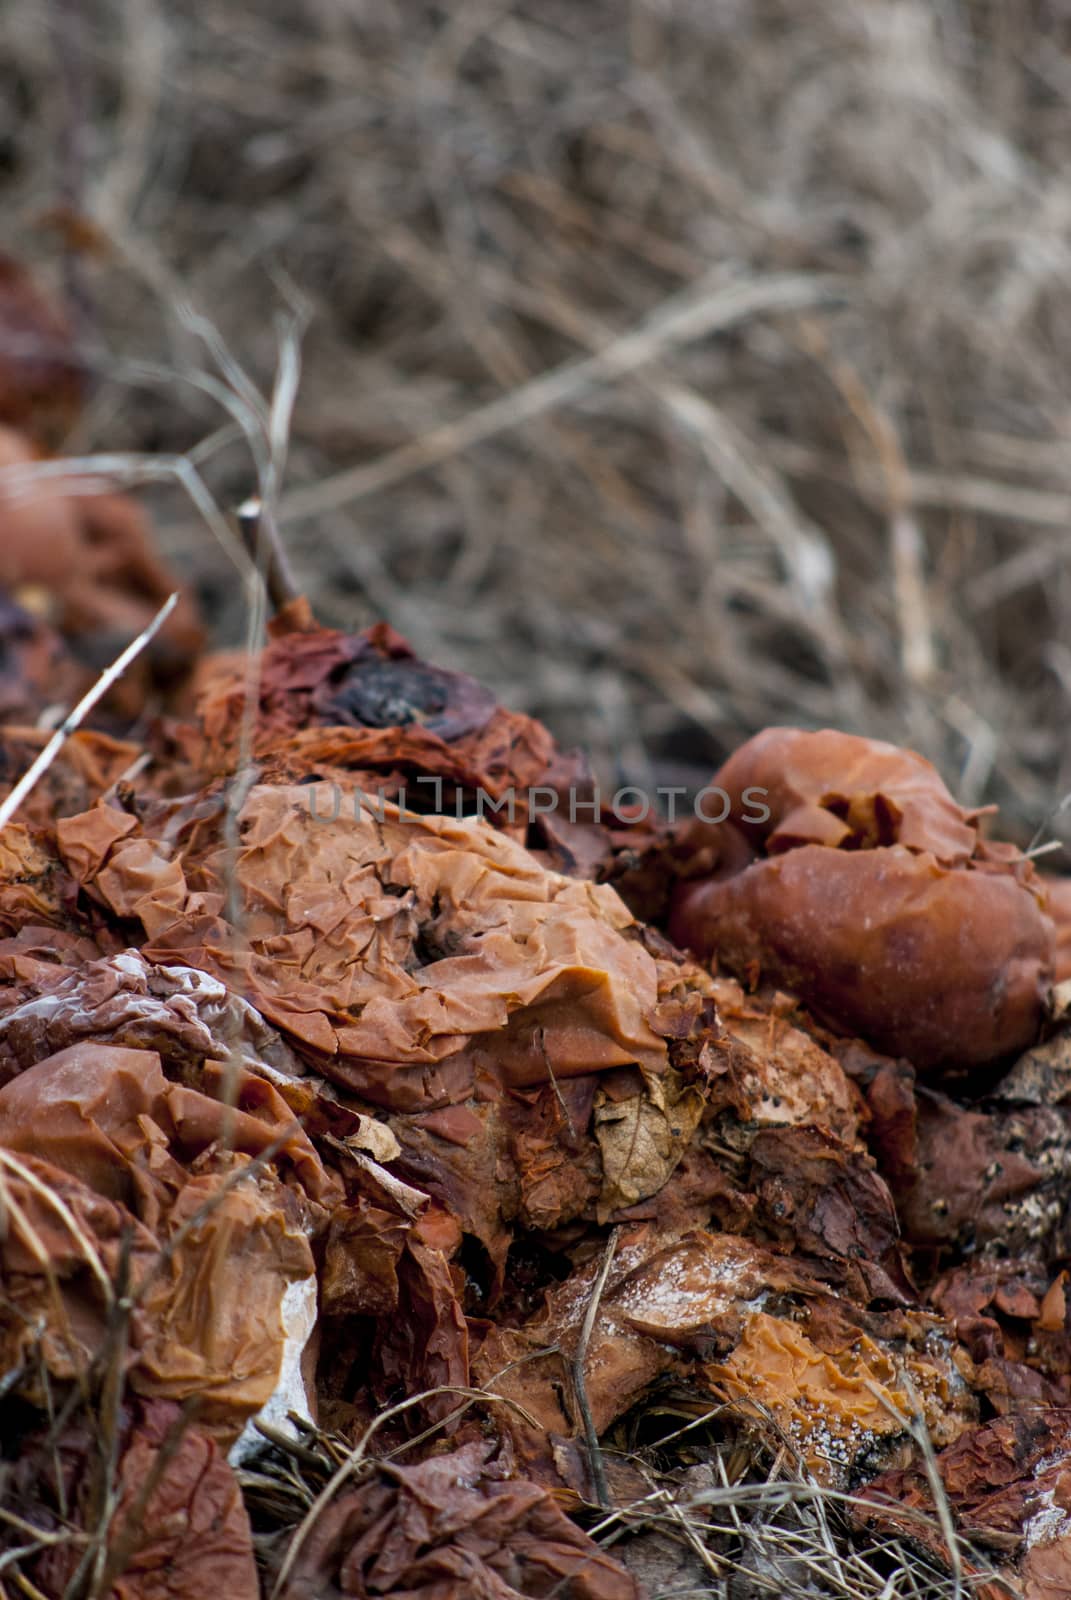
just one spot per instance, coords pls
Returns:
(311, 1106)
(415, 1125)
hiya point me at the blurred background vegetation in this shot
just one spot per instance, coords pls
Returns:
(677, 366)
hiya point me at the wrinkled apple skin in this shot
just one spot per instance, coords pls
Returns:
(870, 894)
(944, 966)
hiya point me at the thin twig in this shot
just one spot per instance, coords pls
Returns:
(708, 307)
(99, 474)
(580, 1388)
(261, 538)
(75, 718)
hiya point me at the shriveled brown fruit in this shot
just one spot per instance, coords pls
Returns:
(41, 378)
(1008, 1482)
(844, 791)
(35, 892)
(740, 1321)
(785, 1075)
(495, 1010)
(187, 1017)
(88, 764)
(870, 894)
(36, 669)
(365, 707)
(409, 957)
(178, 1527)
(87, 563)
(328, 700)
(1011, 1320)
(947, 967)
(838, 1390)
(96, 1145)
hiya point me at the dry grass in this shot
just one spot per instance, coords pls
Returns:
(849, 507)
(740, 1522)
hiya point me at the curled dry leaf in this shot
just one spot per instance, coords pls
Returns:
(455, 1525)
(642, 1137)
